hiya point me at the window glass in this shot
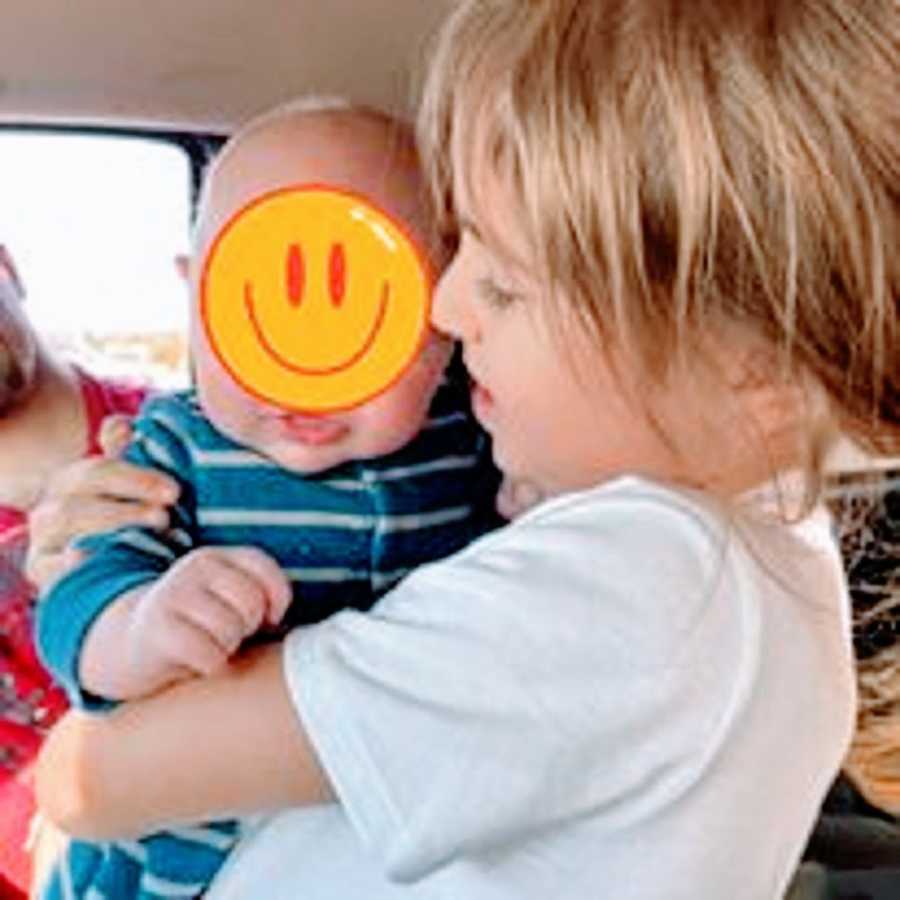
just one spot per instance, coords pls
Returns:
(94, 223)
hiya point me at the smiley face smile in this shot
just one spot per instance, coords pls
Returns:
(320, 371)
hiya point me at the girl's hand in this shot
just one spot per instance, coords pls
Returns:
(517, 496)
(91, 495)
(188, 622)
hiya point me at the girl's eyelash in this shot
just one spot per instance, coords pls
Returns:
(496, 295)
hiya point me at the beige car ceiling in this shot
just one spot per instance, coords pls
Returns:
(203, 64)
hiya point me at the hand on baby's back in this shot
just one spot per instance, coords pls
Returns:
(98, 493)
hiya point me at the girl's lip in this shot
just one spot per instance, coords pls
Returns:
(482, 398)
(316, 432)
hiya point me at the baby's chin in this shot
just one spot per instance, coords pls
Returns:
(266, 435)
(306, 460)
(311, 451)
(311, 460)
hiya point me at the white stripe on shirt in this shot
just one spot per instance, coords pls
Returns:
(292, 518)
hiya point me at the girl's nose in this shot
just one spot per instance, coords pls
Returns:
(451, 311)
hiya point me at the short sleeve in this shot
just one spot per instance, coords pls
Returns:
(545, 673)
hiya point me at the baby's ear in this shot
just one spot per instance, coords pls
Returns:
(8, 270)
(183, 266)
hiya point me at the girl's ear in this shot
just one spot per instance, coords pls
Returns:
(752, 368)
(775, 401)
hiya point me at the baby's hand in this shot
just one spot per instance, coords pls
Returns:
(195, 617)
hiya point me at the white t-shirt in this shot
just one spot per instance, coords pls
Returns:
(619, 695)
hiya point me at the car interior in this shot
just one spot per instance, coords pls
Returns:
(110, 110)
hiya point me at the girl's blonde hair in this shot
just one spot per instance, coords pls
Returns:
(684, 166)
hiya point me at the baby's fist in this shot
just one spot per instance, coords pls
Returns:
(193, 619)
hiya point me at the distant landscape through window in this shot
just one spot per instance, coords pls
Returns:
(94, 223)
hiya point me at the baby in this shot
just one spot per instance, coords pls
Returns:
(283, 518)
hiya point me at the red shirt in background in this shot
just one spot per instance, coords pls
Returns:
(29, 701)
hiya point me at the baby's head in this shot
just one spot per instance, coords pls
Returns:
(704, 193)
(350, 149)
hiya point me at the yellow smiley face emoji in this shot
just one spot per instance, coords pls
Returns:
(314, 299)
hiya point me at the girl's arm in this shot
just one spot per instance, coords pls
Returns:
(136, 770)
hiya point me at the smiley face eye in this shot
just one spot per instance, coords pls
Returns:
(295, 275)
(337, 273)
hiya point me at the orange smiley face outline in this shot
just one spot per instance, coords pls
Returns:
(295, 355)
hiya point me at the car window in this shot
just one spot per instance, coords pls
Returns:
(94, 222)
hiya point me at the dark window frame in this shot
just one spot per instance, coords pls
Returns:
(200, 147)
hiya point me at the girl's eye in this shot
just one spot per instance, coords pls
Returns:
(495, 295)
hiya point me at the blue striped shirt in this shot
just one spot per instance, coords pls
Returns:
(343, 537)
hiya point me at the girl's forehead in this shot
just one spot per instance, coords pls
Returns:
(485, 207)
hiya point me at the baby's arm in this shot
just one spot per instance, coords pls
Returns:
(188, 622)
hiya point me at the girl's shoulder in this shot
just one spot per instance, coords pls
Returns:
(632, 494)
(620, 521)
(659, 567)
(635, 514)
(630, 563)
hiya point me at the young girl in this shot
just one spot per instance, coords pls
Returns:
(676, 279)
